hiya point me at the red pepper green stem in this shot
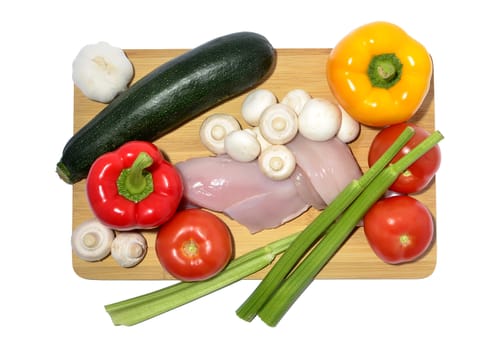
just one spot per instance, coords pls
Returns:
(385, 70)
(135, 183)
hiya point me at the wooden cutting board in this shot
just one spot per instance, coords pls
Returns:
(296, 68)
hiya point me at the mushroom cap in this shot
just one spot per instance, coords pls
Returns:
(278, 124)
(214, 130)
(319, 120)
(349, 128)
(129, 248)
(296, 99)
(277, 162)
(91, 240)
(255, 103)
(242, 145)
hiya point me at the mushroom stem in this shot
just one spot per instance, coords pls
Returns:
(278, 124)
(91, 240)
(277, 162)
(215, 129)
(129, 248)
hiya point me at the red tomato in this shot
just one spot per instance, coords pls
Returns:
(399, 229)
(194, 245)
(419, 174)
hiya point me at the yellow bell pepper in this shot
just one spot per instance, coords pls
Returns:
(379, 74)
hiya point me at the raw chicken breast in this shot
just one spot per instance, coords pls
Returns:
(329, 165)
(240, 190)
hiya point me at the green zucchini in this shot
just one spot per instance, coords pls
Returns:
(169, 96)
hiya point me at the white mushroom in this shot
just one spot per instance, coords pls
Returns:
(129, 248)
(242, 145)
(255, 103)
(296, 99)
(278, 124)
(277, 162)
(349, 129)
(91, 240)
(320, 120)
(215, 128)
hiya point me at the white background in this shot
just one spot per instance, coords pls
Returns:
(45, 304)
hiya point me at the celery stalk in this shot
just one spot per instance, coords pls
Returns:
(293, 286)
(141, 308)
(249, 309)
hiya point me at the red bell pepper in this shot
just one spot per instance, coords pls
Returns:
(134, 187)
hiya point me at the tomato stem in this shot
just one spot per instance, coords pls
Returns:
(404, 240)
(190, 248)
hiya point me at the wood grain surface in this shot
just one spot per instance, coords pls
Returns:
(296, 68)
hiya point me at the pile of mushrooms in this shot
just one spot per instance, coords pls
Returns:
(272, 125)
(92, 241)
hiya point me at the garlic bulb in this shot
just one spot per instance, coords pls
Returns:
(101, 71)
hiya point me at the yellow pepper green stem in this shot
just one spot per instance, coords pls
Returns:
(385, 70)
